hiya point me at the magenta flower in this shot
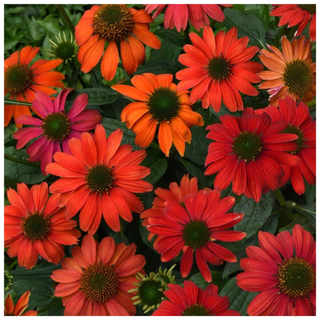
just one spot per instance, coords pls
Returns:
(55, 128)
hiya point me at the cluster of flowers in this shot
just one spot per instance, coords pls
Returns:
(259, 151)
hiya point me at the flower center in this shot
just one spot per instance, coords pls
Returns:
(247, 145)
(196, 234)
(99, 282)
(196, 310)
(149, 292)
(65, 51)
(219, 68)
(17, 78)
(100, 179)
(113, 22)
(309, 7)
(36, 227)
(296, 277)
(163, 104)
(298, 77)
(300, 141)
(56, 126)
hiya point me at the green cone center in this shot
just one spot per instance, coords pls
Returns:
(196, 310)
(196, 234)
(149, 292)
(247, 146)
(298, 77)
(113, 22)
(219, 68)
(17, 78)
(65, 51)
(56, 126)
(296, 277)
(309, 7)
(36, 227)
(301, 139)
(100, 179)
(163, 104)
(99, 283)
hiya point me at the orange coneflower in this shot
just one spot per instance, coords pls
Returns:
(100, 177)
(96, 280)
(218, 67)
(159, 103)
(291, 72)
(297, 14)
(21, 80)
(35, 225)
(17, 310)
(114, 24)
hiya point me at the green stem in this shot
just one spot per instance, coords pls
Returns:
(26, 162)
(19, 103)
(65, 17)
(282, 201)
(12, 265)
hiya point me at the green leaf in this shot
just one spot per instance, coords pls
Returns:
(112, 125)
(97, 95)
(144, 233)
(168, 51)
(307, 211)
(50, 24)
(157, 163)
(310, 193)
(255, 213)
(171, 36)
(32, 29)
(239, 299)
(29, 174)
(216, 279)
(247, 25)
(157, 67)
(303, 221)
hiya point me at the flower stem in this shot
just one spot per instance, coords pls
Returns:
(19, 103)
(17, 160)
(65, 17)
(282, 201)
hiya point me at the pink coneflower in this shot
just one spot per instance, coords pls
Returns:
(177, 15)
(55, 127)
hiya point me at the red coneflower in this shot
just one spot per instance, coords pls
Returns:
(194, 301)
(96, 280)
(17, 310)
(283, 271)
(298, 121)
(55, 128)
(114, 24)
(218, 68)
(175, 193)
(291, 72)
(195, 228)
(159, 103)
(21, 80)
(99, 178)
(248, 151)
(34, 224)
(177, 15)
(297, 14)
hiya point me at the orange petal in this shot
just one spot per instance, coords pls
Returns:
(147, 37)
(92, 56)
(165, 138)
(128, 61)
(110, 61)
(27, 54)
(130, 92)
(88, 44)
(137, 48)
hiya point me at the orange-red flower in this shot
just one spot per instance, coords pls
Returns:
(298, 121)
(34, 224)
(194, 301)
(17, 310)
(175, 193)
(21, 80)
(177, 15)
(283, 270)
(96, 280)
(194, 228)
(297, 14)
(160, 102)
(99, 178)
(114, 24)
(218, 68)
(291, 72)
